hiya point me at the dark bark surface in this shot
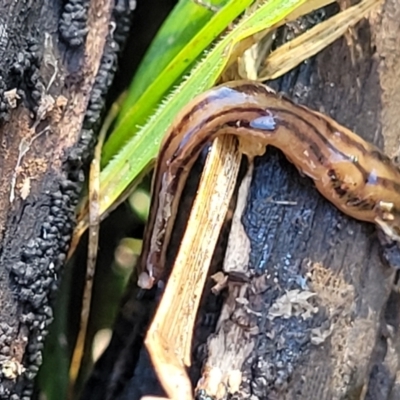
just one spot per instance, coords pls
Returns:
(335, 350)
(57, 61)
(339, 341)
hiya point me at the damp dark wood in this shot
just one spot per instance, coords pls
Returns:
(317, 316)
(57, 61)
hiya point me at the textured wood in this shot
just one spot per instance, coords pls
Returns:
(316, 322)
(60, 59)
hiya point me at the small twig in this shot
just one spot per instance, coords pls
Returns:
(94, 225)
(83, 213)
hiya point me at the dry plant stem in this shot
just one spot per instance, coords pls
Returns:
(311, 42)
(83, 214)
(244, 44)
(94, 226)
(170, 335)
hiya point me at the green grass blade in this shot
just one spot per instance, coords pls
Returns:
(184, 22)
(139, 113)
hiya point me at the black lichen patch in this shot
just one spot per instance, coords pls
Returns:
(22, 77)
(4, 104)
(34, 260)
(73, 23)
(19, 53)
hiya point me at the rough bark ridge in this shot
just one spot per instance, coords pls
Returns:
(57, 61)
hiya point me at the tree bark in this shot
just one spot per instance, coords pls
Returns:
(57, 61)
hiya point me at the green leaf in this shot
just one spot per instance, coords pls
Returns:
(183, 23)
(160, 84)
